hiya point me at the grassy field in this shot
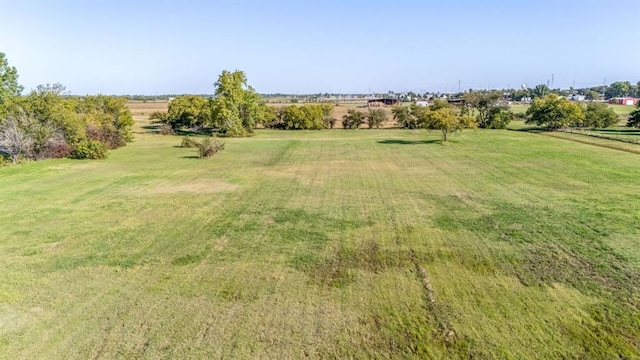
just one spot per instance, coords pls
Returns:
(326, 244)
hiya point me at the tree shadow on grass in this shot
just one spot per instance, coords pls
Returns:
(409, 142)
(630, 131)
(531, 129)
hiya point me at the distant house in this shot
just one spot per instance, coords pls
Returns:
(576, 97)
(422, 103)
(624, 101)
(379, 102)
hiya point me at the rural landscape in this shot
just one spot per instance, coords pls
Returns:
(233, 222)
(369, 243)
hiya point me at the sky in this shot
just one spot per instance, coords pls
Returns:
(336, 46)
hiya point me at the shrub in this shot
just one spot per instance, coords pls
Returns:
(161, 116)
(353, 119)
(330, 123)
(4, 161)
(56, 149)
(634, 118)
(209, 146)
(498, 118)
(90, 149)
(166, 129)
(107, 135)
(188, 142)
(375, 118)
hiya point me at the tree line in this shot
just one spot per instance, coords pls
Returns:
(46, 124)
(480, 109)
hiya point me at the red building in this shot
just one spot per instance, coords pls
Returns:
(624, 101)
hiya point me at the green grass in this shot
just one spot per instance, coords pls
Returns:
(623, 110)
(296, 244)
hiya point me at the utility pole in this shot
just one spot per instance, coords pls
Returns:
(604, 86)
(552, 77)
(459, 86)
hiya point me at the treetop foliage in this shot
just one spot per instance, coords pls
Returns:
(235, 109)
(556, 112)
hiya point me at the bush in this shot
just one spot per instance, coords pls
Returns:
(330, 123)
(160, 116)
(56, 150)
(4, 161)
(375, 118)
(107, 135)
(90, 149)
(188, 142)
(353, 119)
(209, 146)
(166, 129)
(498, 118)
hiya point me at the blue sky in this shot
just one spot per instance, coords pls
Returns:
(159, 47)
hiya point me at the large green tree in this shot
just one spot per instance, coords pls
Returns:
(445, 118)
(554, 112)
(403, 117)
(375, 118)
(9, 87)
(540, 91)
(600, 115)
(107, 120)
(187, 110)
(618, 89)
(237, 107)
(492, 112)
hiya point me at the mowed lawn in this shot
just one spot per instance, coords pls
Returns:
(326, 244)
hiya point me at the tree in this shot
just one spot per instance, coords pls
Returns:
(402, 116)
(187, 110)
(634, 118)
(446, 119)
(327, 116)
(108, 120)
(53, 121)
(498, 118)
(618, 89)
(375, 118)
(352, 119)
(9, 87)
(236, 108)
(600, 115)
(554, 112)
(540, 91)
(15, 139)
(492, 112)
(591, 95)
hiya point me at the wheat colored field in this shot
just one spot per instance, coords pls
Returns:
(324, 244)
